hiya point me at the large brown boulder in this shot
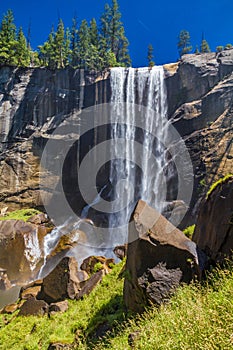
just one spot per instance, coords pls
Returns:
(214, 229)
(62, 282)
(21, 249)
(34, 307)
(159, 258)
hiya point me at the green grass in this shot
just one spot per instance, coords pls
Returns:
(196, 318)
(21, 214)
(218, 183)
(101, 308)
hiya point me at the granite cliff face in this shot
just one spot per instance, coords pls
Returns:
(33, 102)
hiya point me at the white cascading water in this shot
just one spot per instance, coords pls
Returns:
(144, 87)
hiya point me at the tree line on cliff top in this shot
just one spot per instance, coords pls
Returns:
(86, 45)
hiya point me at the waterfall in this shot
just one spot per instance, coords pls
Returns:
(131, 141)
(137, 172)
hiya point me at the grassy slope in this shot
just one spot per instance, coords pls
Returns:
(196, 318)
(21, 214)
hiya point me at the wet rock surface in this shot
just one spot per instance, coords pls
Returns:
(21, 249)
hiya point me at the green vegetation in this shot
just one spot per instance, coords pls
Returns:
(86, 46)
(218, 183)
(204, 46)
(21, 214)
(188, 231)
(197, 317)
(183, 44)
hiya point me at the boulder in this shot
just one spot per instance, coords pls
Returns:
(38, 219)
(60, 306)
(11, 308)
(30, 290)
(34, 307)
(89, 264)
(159, 258)
(120, 251)
(93, 281)
(21, 249)
(214, 229)
(62, 282)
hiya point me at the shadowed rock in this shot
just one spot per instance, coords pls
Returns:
(62, 282)
(159, 258)
(34, 307)
(93, 281)
(214, 229)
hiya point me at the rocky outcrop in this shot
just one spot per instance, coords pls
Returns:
(214, 229)
(159, 258)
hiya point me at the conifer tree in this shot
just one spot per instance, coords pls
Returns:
(83, 44)
(8, 39)
(46, 52)
(113, 39)
(74, 42)
(204, 46)
(183, 44)
(150, 56)
(61, 46)
(55, 52)
(22, 53)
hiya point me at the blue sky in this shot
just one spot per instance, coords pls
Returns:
(148, 21)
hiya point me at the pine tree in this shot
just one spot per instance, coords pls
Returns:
(150, 56)
(204, 46)
(74, 42)
(22, 53)
(61, 46)
(46, 51)
(183, 44)
(83, 45)
(113, 39)
(196, 50)
(94, 35)
(55, 52)
(8, 40)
